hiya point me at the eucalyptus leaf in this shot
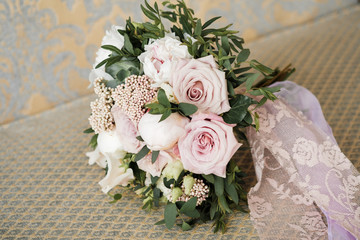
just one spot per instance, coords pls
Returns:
(154, 156)
(187, 109)
(89, 130)
(251, 80)
(162, 98)
(198, 27)
(231, 190)
(189, 206)
(170, 215)
(210, 178)
(185, 226)
(239, 106)
(243, 55)
(219, 186)
(142, 153)
(165, 115)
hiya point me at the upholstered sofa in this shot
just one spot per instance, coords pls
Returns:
(47, 188)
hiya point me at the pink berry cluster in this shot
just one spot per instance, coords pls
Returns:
(101, 118)
(133, 95)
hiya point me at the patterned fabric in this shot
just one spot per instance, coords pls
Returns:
(307, 186)
(48, 190)
(48, 47)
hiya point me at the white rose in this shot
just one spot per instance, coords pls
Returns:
(114, 38)
(162, 135)
(159, 57)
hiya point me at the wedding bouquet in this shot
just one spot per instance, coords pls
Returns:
(167, 120)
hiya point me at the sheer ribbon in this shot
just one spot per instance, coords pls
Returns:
(307, 188)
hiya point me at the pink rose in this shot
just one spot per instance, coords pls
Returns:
(208, 145)
(200, 82)
(155, 168)
(126, 131)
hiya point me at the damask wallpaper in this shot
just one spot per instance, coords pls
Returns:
(47, 47)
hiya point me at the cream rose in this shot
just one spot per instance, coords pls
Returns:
(208, 145)
(162, 135)
(200, 82)
(159, 57)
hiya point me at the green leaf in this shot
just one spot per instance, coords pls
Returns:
(168, 183)
(151, 27)
(128, 45)
(210, 178)
(155, 108)
(142, 153)
(241, 70)
(187, 109)
(170, 215)
(256, 119)
(239, 106)
(223, 204)
(231, 190)
(165, 115)
(112, 48)
(209, 22)
(185, 226)
(148, 13)
(262, 102)
(156, 195)
(117, 196)
(140, 138)
(273, 89)
(230, 88)
(198, 28)
(154, 156)
(225, 44)
(162, 98)
(154, 179)
(251, 80)
(213, 210)
(243, 55)
(219, 186)
(102, 63)
(113, 83)
(160, 222)
(189, 205)
(149, 7)
(93, 141)
(89, 130)
(122, 75)
(260, 67)
(111, 60)
(238, 43)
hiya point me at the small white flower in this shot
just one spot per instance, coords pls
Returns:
(173, 170)
(96, 157)
(114, 38)
(159, 57)
(110, 146)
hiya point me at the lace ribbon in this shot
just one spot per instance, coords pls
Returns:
(307, 188)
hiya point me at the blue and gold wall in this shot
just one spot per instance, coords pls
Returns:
(47, 47)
